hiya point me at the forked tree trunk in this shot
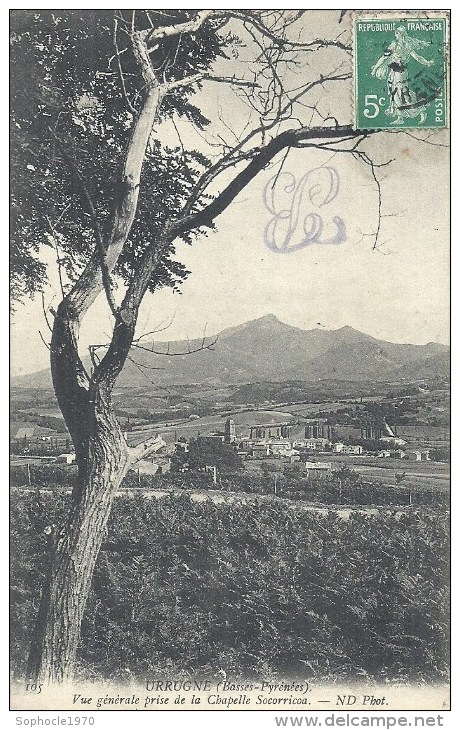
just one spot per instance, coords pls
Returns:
(103, 460)
(101, 451)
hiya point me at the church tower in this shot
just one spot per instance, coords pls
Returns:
(230, 431)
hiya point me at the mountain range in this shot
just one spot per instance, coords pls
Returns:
(268, 349)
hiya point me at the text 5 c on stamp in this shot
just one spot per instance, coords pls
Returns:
(400, 72)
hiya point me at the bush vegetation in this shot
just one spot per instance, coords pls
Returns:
(255, 589)
(342, 487)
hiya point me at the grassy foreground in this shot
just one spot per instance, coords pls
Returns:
(184, 588)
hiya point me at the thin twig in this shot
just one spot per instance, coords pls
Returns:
(275, 179)
(44, 341)
(45, 313)
(200, 348)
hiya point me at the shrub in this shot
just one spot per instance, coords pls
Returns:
(253, 589)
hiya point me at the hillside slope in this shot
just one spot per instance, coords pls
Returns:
(267, 349)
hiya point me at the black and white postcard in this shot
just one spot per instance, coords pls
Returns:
(230, 374)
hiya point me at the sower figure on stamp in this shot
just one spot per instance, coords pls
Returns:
(404, 101)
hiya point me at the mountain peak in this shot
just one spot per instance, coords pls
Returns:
(267, 318)
(268, 349)
(351, 334)
(266, 322)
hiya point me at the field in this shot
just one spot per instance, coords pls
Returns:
(197, 588)
(208, 424)
(413, 474)
(420, 414)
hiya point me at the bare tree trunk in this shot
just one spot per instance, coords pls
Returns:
(103, 460)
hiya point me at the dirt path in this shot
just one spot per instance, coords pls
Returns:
(219, 497)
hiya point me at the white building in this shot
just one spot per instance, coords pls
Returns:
(340, 448)
(156, 443)
(416, 455)
(384, 454)
(317, 444)
(289, 454)
(392, 441)
(259, 451)
(65, 458)
(318, 468)
(279, 447)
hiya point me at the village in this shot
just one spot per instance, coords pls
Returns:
(313, 444)
(397, 437)
(318, 448)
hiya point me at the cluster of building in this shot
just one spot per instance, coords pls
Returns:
(410, 455)
(287, 441)
(278, 440)
(30, 440)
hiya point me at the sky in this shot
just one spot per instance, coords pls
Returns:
(398, 293)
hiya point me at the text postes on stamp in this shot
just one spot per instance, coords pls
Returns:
(400, 72)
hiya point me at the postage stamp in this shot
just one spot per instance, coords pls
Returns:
(400, 72)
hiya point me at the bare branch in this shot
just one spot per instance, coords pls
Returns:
(142, 365)
(151, 351)
(189, 26)
(142, 450)
(186, 81)
(44, 341)
(142, 370)
(233, 81)
(45, 314)
(197, 78)
(235, 155)
(203, 346)
(423, 140)
(154, 331)
(290, 138)
(93, 356)
(258, 24)
(275, 180)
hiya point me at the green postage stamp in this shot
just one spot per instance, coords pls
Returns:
(400, 71)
